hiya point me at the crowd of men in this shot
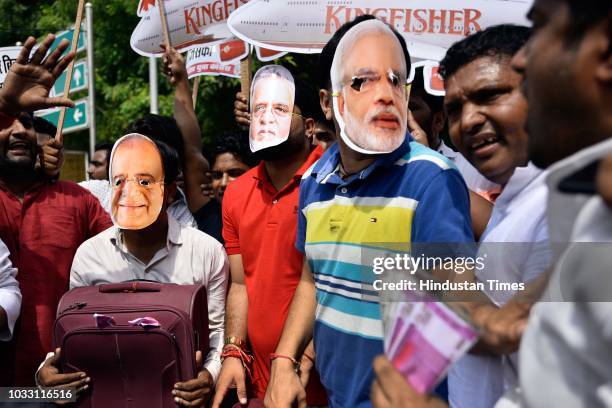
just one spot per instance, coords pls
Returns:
(276, 237)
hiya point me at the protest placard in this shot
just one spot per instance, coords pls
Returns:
(429, 26)
(190, 23)
(220, 58)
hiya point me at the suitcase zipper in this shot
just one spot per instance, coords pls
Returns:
(75, 305)
(132, 308)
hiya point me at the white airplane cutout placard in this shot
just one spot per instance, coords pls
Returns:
(190, 23)
(429, 26)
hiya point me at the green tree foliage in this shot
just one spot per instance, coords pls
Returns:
(121, 75)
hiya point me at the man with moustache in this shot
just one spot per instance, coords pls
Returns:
(487, 113)
(148, 243)
(425, 122)
(565, 350)
(230, 159)
(259, 226)
(98, 164)
(374, 185)
(42, 222)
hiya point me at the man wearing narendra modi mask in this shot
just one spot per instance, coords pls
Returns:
(375, 185)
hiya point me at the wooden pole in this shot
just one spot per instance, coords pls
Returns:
(162, 14)
(245, 76)
(196, 86)
(73, 48)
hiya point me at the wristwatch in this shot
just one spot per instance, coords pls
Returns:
(236, 341)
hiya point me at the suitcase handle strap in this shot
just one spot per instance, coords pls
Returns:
(130, 287)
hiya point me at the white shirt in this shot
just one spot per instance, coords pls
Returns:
(566, 351)
(103, 191)
(473, 179)
(10, 296)
(189, 257)
(516, 246)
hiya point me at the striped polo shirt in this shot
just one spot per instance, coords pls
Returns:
(412, 195)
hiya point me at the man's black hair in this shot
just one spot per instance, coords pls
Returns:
(585, 14)
(165, 130)
(307, 98)
(327, 54)
(107, 147)
(170, 161)
(498, 41)
(237, 144)
(158, 127)
(43, 126)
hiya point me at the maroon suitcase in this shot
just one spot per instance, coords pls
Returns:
(132, 366)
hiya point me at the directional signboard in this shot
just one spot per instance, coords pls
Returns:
(68, 35)
(78, 81)
(8, 56)
(77, 118)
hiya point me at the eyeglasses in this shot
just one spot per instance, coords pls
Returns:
(277, 109)
(145, 182)
(366, 82)
(231, 173)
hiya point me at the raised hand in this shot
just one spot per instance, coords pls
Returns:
(173, 66)
(51, 157)
(417, 131)
(241, 111)
(29, 81)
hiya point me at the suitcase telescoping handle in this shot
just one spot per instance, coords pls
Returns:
(131, 287)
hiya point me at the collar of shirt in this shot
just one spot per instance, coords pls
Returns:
(33, 191)
(563, 207)
(180, 196)
(520, 180)
(262, 175)
(174, 238)
(327, 168)
(446, 151)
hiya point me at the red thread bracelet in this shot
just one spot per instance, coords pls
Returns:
(236, 352)
(309, 357)
(296, 364)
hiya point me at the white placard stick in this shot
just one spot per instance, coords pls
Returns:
(73, 48)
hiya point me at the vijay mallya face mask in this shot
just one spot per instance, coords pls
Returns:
(136, 175)
(382, 128)
(272, 100)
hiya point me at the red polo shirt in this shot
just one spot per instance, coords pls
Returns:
(260, 223)
(43, 233)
